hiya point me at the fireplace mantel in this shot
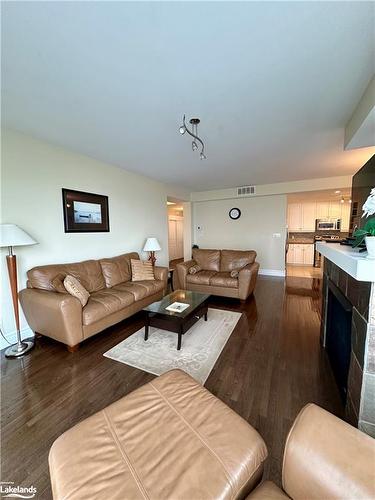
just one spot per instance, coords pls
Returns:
(349, 260)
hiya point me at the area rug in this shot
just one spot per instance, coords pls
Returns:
(201, 346)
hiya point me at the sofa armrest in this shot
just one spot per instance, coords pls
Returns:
(325, 457)
(183, 270)
(56, 315)
(247, 278)
(161, 273)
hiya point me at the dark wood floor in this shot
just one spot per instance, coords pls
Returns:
(271, 366)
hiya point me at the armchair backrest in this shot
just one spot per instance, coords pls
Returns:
(325, 457)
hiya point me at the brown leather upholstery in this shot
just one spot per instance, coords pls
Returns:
(61, 316)
(56, 315)
(324, 458)
(141, 289)
(171, 439)
(201, 278)
(105, 302)
(236, 259)
(327, 458)
(268, 491)
(224, 279)
(117, 269)
(208, 260)
(220, 282)
(89, 273)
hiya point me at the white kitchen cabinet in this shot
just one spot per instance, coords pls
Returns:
(308, 216)
(301, 217)
(308, 256)
(300, 254)
(322, 209)
(290, 255)
(345, 216)
(294, 217)
(335, 210)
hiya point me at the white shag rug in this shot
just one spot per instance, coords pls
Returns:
(201, 346)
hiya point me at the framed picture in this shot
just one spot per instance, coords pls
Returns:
(85, 212)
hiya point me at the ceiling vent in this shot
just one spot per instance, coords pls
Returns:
(245, 190)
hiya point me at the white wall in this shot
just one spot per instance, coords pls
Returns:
(33, 173)
(261, 217)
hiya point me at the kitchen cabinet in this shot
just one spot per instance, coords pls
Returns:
(345, 216)
(299, 253)
(335, 210)
(322, 210)
(294, 217)
(301, 217)
(308, 216)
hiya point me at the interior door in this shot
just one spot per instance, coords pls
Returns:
(172, 239)
(175, 237)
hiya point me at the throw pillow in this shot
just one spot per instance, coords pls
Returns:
(234, 273)
(142, 270)
(58, 283)
(74, 287)
(194, 269)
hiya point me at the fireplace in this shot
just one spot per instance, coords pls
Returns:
(338, 336)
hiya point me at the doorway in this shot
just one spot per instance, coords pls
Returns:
(175, 232)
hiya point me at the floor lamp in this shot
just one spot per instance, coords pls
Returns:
(12, 236)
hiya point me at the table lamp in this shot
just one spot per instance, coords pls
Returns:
(152, 246)
(12, 236)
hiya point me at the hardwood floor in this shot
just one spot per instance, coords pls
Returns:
(304, 271)
(271, 366)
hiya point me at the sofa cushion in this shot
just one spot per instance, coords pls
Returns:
(76, 289)
(208, 260)
(117, 269)
(170, 439)
(224, 279)
(105, 302)
(142, 270)
(201, 278)
(141, 289)
(236, 259)
(88, 272)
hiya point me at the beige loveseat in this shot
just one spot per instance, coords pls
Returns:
(113, 297)
(214, 276)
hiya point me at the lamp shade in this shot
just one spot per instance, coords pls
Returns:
(13, 236)
(151, 245)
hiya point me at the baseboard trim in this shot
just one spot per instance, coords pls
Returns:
(272, 272)
(12, 336)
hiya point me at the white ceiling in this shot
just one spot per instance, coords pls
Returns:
(274, 84)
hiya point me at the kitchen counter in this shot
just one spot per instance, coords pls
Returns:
(300, 241)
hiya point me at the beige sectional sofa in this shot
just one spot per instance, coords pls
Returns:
(113, 297)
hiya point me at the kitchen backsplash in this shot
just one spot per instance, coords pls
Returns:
(305, 236)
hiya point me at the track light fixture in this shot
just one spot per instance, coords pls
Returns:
(194, 134)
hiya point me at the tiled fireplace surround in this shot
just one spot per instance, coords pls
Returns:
(360, 405)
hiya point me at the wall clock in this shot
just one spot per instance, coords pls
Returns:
(234, 213)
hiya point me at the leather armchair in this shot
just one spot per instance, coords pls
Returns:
(324, 458)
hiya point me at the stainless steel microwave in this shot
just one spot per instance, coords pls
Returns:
(328, 224)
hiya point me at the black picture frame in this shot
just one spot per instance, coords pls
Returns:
(92, 218)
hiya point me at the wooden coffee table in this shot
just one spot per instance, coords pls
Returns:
(178, 322)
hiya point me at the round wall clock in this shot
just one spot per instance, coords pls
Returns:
(234, 213)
